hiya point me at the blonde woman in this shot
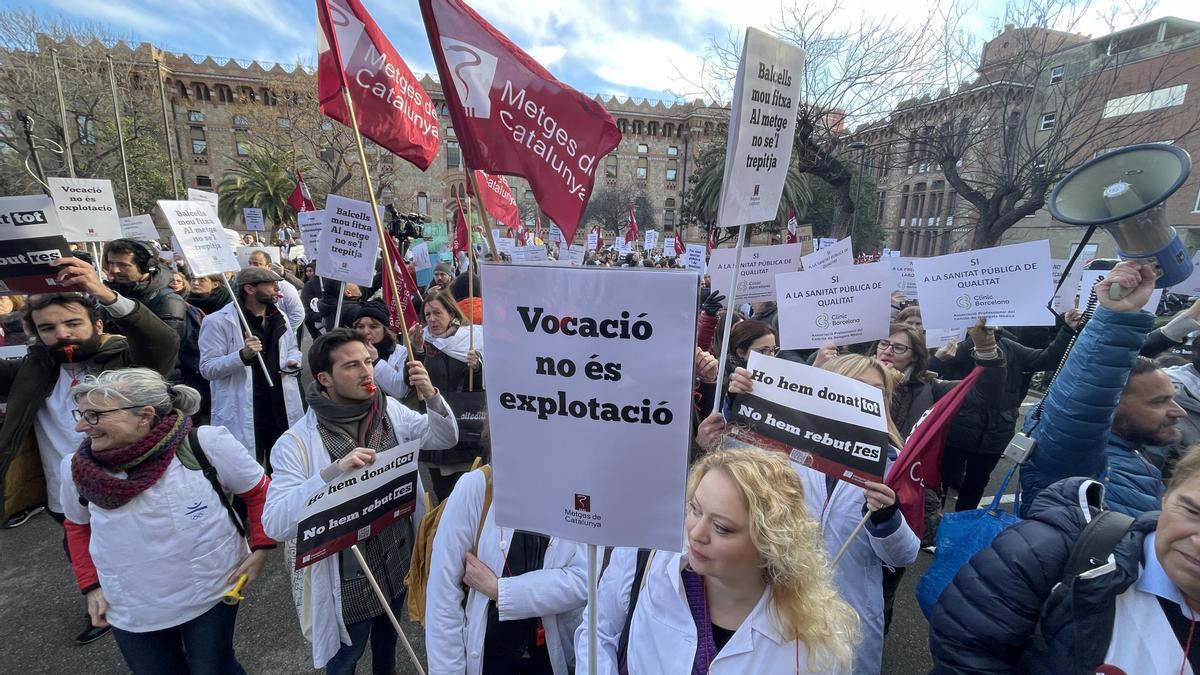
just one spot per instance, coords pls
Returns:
(751, 592)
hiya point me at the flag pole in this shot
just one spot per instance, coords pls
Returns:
(484, 216)
(387, 607)
(162, 97)
(112, 83)
(62, 114)
(853, 535)
(470, 291)
(246, 327)
(724, 355)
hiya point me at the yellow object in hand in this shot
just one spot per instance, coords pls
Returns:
(234, 595)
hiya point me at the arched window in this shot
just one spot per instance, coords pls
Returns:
(610, 166)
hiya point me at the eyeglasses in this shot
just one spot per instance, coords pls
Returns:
(93, 416)
(896, 347)
(767, 351)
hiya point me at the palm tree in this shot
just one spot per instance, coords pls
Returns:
(263, 180)
(704, 194)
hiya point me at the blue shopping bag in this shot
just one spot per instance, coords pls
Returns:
(959, 538)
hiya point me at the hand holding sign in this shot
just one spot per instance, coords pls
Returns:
(357, 459)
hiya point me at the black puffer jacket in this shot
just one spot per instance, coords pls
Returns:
(986, 619)
(154, 294)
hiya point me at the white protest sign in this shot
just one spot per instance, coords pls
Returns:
(243, 254)
(1089, 278)
(349, 242)
(894, 254)
(87, 208)
(593, 238)
(534, 253)
(936, 338)
(906, 278)
(139, 227)
(651, 239)
(669, 247)
(693, 258)
(571, 255)
(759, 148)
(13, 352)
(832, 423)
(839, 254)
(556, 234)
(30, 239)
(209, 198)
(358, 505)
(605, 360)
(506, 245)
(311, 223)
(1004, 284)
(843, 306)
(1065, 298)
(623, 247)
(420, 256)
(199, 237)
(1191, 285)
(759, 265)
(825, 242)
(253, 218)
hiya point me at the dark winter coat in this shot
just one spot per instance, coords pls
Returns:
(918, 394)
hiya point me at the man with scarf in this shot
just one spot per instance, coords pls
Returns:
(348, 421)
(70, 343)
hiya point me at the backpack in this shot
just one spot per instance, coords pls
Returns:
(644, 557)
(422, 556)
(192, 456)
(189, 338)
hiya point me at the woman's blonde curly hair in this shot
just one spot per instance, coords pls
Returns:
(805, 605)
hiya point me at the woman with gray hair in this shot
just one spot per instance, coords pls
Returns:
(155, 544)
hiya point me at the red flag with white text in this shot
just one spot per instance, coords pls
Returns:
(631, 233)
(393, 109)
(498, 199)
(512, 117)
(599, 237)
(404, 291)
(301, 198)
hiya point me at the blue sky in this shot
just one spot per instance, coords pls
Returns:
(634, 48)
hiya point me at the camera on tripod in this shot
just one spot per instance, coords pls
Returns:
(405, 226)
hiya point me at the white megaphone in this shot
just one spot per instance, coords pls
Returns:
(1125, 191)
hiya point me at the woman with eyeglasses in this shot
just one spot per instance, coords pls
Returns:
(154, 545)
(749, 335)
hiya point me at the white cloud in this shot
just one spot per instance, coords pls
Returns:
(548, 55)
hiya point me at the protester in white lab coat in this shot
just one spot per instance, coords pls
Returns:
(342, 430)
(526, 593)
(153, 545)
(289, 296)
(751, 593)
(384, 345)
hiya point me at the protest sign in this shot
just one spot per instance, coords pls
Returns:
(420, 256)
(1004, 284)
(906, 278)
(87, 208)
(651, 239)
(1064, 299)
(1089, 278)
(571, 255)
(534, 253)
(693, 258)
(139, 227)
(311, 223)
(243, 253)
(820, 419)
(825, 242)
(349, 242)
(759, 148)
(843, 306)
(935, 338)
(30, 239)
(13, 352)
(604, 359)
(358, 505)
(209, 198)
(837, 254)
(1191, 285)
(669, 247)
(200, 238)
(623, 247)
(759, 265)
(593, 238)
(506, 245)
(804, 237)
(253, 219)
(556, 234)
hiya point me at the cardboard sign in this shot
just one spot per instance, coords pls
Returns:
(1089, 278)
(604, 359)
(1065, 298)
(759, 149)
(420, 256)
(830, 422)
(759, 265)
(1004, 284)
(358, 505)
(253, 218)
(693, 258)
(905, 275)
(199, 237)
(533, 253)
(311, 223)
(651, 239)
(30, 238)
(349, 242)
(87, 208)
(839, 254)
(804, 237)
(139, 227)
(843, 306)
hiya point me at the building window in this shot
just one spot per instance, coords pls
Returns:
(195, 116)
(669, 214)
(453, 155)
(1046, 121)
(422, 203)
(1056, 74)
(1196, 208)
(241, 142)
(672, 151)
(283, 123)
(326, 126)
(1145, 101)
(241, 121)
(672, 169)
(86, 127)
(610, 166)
(203, 181)
(199, 142)
(643, 148)
(643, 166)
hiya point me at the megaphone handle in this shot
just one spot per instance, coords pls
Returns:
(1117, 291)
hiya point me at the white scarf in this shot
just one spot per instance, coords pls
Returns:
(457, 344)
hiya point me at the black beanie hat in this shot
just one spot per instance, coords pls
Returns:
(374, 309)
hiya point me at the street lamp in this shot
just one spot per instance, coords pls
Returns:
(862, 157)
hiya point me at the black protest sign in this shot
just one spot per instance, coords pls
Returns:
(30, 239)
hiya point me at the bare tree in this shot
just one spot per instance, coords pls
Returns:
(609, 208)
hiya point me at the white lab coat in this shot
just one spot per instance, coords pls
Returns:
(232, 383)
(662, 637)
(295, 478)
(556, 593)
(859, 574)
(291, 305)
(389, 374)
(165, 557)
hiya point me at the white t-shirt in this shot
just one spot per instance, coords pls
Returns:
(54, 428)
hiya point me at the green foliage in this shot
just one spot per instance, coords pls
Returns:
(263, 180)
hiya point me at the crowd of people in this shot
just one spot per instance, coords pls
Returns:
(175, 427)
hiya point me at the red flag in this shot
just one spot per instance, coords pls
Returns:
(513, 117)
(462, 233)
(791, 226)
(301, 199)
(403, 292)
(631, 234)
(678, 243)
(917, 466)
(392, 108)
(537, 220)
(712, 242)
(599, 237)
(498, 199)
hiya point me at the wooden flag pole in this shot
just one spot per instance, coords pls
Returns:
(387, 607)
(484, 216)
(387, 258)
(470, 293)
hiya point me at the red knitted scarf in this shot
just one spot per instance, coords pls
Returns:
(143, 463)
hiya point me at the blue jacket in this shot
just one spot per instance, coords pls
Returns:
(1073, 436)
(987, 619)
